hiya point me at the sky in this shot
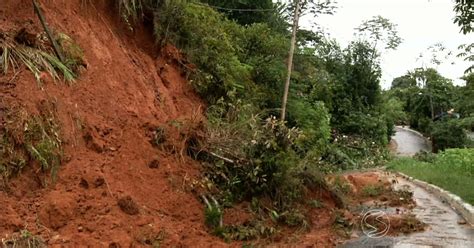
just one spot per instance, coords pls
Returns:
(421, 23)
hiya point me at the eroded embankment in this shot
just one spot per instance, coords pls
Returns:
(108, 119)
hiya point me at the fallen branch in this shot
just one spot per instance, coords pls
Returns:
(228, 160)
(56, 47)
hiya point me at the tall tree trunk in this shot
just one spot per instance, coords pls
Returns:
(290, 60)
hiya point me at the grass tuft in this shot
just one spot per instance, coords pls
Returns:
(36, 59)
(23, 239)
(26, 139)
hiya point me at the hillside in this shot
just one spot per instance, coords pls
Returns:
(165, 123)
(107, 117)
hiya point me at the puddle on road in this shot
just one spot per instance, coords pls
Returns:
(443, 229)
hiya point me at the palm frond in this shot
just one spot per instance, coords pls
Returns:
(35, 59)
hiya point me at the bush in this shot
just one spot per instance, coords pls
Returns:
(448, 133)
(371, 126)
(210, 41)
(351, 153)
(248, 156)
(313, 120)
(258, 161)
(425, 157)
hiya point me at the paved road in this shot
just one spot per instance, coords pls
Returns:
(443, 230)
(410, 142)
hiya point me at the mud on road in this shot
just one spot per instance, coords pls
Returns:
(444, 227)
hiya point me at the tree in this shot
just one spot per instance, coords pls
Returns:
(435, 55)
(436, 88)
(403, 82)
(245, 12)
(465, 103)
(464, 15)
(301, 7)
(467, 53)
(379, 30)
(363, 75)
(290, 60)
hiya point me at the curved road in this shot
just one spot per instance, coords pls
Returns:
(443, 230)
(409, 142)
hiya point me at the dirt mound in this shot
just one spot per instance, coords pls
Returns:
(373, 201)
(105, 119)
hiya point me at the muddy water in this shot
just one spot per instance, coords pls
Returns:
(443, 230)
(409, 143)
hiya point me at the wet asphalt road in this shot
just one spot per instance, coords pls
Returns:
(443, 230)
(409, 142)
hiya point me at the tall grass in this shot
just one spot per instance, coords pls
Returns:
(452, 170)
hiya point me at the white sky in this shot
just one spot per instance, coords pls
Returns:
(421, 23)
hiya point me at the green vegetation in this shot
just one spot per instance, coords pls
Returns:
(37, 56)
(435, 107)
(452, 170)
(372, 190)
(28, 140)
(23, 239)
(337, 117)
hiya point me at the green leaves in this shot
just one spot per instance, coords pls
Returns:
(380, 30)
(464, 15)
(467, 53)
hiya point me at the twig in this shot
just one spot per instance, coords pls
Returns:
(14, 76)
(228, 160)
(107, 184)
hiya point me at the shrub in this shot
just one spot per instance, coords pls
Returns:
(371, 126)
(372, 190)
(313, 120)
(209, 41)
(448, 133)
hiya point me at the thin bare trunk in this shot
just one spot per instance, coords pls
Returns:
(290, 60)
(56, 47)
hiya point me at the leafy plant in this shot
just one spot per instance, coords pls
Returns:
(213, 214)
(448, 133)
(341, 185)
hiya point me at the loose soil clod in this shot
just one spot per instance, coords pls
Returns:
(154, 164)
(99, 182)
(128, 206)
(84, 184)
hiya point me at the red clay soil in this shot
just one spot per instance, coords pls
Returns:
(126, 88)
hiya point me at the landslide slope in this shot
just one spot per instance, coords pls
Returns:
(108, 118)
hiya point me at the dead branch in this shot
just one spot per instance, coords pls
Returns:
(56, 47)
